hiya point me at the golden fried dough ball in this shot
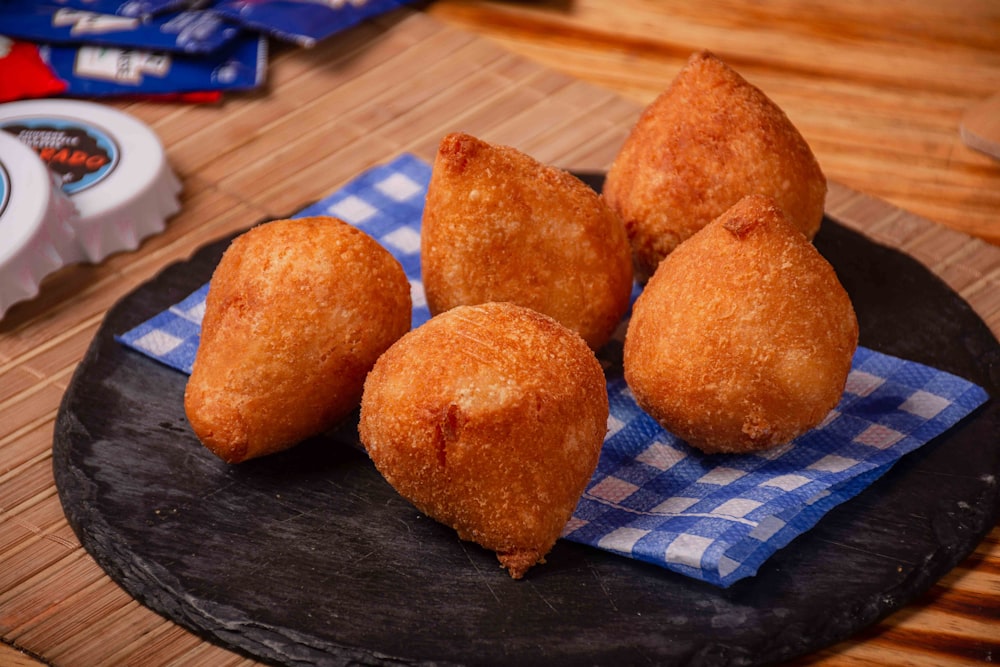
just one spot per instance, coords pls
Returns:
(296, 315)
(490, 419)
(709, 140)
(743, 338)
(500, 226)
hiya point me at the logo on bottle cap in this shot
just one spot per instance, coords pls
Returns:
(81, 155)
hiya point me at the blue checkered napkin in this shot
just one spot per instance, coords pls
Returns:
(719, 517)
(653, 498)
(171, 336)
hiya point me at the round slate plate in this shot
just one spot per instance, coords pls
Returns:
(309, 557)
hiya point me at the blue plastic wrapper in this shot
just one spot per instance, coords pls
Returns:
(108, 71)
(195, 31)
(128, 7)
(303, 22)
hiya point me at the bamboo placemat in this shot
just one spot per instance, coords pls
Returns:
(397, 84)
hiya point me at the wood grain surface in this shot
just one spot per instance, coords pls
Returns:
(398, 84)
(981, 126)
(877, 87)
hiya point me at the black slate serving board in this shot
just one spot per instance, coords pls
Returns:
(309, 557)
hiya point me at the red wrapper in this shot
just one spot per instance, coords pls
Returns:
(23, 73)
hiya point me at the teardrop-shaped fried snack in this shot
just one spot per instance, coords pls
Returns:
(500, 226)
(489, 419)
(296, 315)
(743, 338)
(705, 143)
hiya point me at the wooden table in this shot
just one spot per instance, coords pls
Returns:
(878, 88)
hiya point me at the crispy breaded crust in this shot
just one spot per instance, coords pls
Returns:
(706, 142)
(743, 337)
(297, 313)
(489, 419)
(500, 226)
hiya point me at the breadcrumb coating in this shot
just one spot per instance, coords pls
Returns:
(500, 226)
(706, 142)
(490, 419)
(296, 315)
(743, 337)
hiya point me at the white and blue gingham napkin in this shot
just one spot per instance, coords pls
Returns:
(716, 518)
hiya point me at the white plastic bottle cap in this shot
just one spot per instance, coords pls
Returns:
(37, 223)
(112, 166)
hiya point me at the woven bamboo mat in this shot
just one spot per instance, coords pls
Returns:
(394, 85)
